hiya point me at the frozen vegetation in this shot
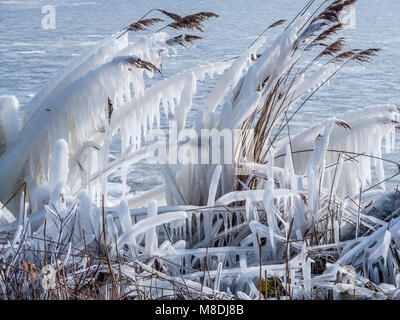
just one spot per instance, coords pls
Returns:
(296, 223)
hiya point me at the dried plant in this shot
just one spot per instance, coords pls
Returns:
(345, 55)
(276, 24)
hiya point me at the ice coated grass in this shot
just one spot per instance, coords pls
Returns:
(299, 224)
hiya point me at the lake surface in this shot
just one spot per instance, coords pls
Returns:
(31, 56)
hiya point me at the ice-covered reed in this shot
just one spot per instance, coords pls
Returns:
(295, 224)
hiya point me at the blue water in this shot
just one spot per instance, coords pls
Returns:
(31, 56)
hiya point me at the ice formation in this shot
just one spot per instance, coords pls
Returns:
(294, 223)
(9, 126)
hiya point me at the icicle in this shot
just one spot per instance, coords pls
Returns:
(381, 249)
(289, 169)
(100, 54)
(58, 197)
(190, 225)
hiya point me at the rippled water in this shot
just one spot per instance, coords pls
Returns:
(31, 56)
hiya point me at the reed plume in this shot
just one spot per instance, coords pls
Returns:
(143, 64)
(365, 55)
(191, 22)
(110, 109)
(290, 227)
(333, 11)
(334, 48)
